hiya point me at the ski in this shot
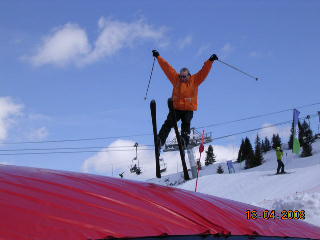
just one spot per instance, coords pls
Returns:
(283, 173)
(153, 108)
(277, 174)
(181, 148)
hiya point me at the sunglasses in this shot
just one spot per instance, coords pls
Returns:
(183, 76)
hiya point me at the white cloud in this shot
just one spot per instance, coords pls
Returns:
(259, 54)
(254, 54)
(64, 45)
(203, 49)
(39, 134)
(225, 153)
(8, 110)
(115, 35)
(38, 117)
(69, 44)
(283, 131)
(185, 42)
(223, 52)
(21, 124)
(117, 158)
(114, 162)
(226, 50)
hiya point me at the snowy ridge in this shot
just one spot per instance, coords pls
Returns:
(308, 201)
(259, 186)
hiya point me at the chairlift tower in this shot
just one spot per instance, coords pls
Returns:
(195, 141)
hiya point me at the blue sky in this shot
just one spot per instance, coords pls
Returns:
(79, 69)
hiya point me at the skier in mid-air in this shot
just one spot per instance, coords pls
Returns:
(184, 96)
(279, 153)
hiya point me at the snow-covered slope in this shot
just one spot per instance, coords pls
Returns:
(298, 190)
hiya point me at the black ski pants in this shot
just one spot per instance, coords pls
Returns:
(185, 117)
(280, 168)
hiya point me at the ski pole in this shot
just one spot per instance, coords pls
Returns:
(201, 149)
(319, 122)
(154, 59)
(286, 156)
(198, 165)
(237, 69)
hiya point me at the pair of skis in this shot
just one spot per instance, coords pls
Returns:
(153, 108)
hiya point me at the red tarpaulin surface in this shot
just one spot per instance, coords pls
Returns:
(48, 204)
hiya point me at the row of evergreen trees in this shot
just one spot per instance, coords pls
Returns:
(254, 157)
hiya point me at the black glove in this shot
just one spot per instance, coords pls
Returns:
(155, 53)
(213, 57)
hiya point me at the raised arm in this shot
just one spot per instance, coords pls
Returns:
(170, 72)
(203, 73)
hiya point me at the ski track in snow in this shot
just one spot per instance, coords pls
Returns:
(299, 190)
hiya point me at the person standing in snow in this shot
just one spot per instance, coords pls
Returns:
(184, 96)
(279, 154)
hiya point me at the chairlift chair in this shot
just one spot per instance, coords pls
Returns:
(135, 168)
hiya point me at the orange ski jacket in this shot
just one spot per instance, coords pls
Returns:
(185, 94)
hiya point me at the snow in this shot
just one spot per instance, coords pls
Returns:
(259, 186)
(308, 201)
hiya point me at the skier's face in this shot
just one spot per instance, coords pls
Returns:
(184, 76)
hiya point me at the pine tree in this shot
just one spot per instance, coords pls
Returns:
(301, 133)
(210, 158)
(279, 142)
(258, 158)
(276, 141)
(267, 144)
(306, 139)
(263, 147)
(240, 153)
(248, 153)
(220, 169)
